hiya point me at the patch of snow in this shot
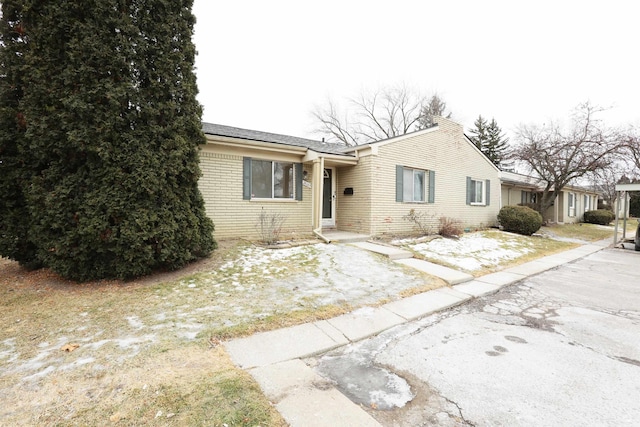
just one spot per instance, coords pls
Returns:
(37, 375)
(77, 363)
(472, 251)
(9, 354)
(135, 322)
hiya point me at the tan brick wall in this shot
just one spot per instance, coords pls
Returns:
(453, 158)
(233, 217)
(353, 213)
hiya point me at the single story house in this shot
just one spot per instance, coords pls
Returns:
(569, 206)
(369, 189)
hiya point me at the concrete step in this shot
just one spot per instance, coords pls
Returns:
(390, 252)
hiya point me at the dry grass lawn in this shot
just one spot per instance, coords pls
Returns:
(147, 352)
(116, 370)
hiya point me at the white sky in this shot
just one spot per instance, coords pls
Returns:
(263, 65)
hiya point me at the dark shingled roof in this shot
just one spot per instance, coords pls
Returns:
(255, 135)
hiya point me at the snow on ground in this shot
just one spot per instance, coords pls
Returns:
(472, 251)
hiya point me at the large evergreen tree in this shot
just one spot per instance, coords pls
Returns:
(14, 171)
(489, 139)
(112, 128)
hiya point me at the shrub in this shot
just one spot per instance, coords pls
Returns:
(520, 219)
(422, 221)
(599, 216)
(449, 227)
(270, 225)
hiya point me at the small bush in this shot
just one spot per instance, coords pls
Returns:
(422, 221)
(449, 227)
(599, 216)
(520, 219)
(270, 225)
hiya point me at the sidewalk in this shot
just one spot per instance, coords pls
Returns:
(306, 399)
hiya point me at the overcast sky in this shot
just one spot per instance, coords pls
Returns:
(263, 65)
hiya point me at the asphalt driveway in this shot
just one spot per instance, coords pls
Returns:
(559, 348)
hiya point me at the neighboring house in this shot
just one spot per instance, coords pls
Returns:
(569, 206)
(368, 189)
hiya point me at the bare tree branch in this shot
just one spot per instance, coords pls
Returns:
(560, 157)
(372, 116)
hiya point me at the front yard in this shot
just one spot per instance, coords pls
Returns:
(148, 352)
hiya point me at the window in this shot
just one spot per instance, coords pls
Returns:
(414, 185)
(271, 180)
(478, 192)
(572, 204)
(266, 179)
(587, 203)
(528, 197)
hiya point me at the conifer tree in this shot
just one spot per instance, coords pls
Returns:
(498, 145)
(489, 139)
(479, 134)
(14, 172)
(112, 132)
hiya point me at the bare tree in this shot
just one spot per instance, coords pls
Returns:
(605, 180)
(560, 156)
(631, 144)
(372, 116)
(435, 107)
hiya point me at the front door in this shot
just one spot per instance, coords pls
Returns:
(329, 199)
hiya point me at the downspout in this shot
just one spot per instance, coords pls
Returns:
(318, 234)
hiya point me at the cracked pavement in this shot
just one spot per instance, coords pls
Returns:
(559, 348)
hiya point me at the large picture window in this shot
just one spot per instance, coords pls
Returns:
(267, 179)
(271, 180)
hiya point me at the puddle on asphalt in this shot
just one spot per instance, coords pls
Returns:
(364, 384)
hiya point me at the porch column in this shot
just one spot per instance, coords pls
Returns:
(316, 192)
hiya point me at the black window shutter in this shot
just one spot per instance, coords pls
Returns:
(488, 192)
(246, 178)
(432, 186)
(298, 177)
(468, 190)
(399, 174)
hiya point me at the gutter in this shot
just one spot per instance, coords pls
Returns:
(318, 234)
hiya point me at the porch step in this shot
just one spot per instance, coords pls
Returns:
(337, 236)
(390, 252)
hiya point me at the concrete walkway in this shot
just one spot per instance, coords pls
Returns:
(306, 399)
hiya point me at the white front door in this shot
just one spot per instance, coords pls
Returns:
(329, 198)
